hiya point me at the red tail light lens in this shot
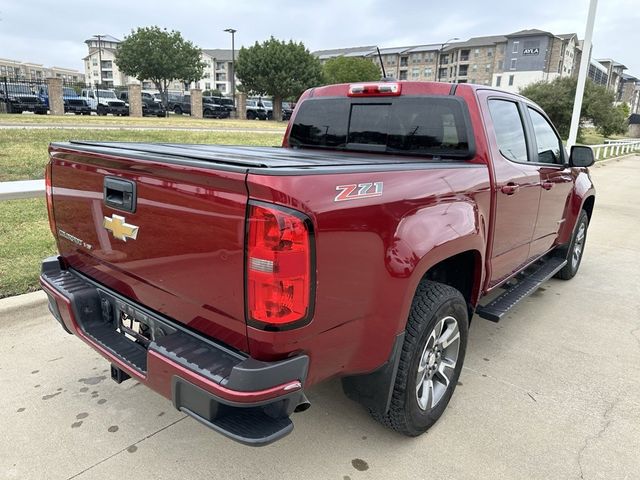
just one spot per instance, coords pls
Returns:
(279, 267)
(49, 196)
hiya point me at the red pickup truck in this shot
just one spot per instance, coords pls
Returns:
(232, 279)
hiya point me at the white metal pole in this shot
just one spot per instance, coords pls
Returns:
(582, 74)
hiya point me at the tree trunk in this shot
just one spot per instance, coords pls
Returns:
(277, 108)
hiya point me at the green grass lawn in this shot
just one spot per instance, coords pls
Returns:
(170, 121)
(25, 238)
(23, 152)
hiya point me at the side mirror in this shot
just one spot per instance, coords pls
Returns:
(581, 156)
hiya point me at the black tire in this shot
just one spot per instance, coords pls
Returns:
(100, 110)
(177, 110)
(433, 303)
(207, 113)
(251, 115)
(578, 242)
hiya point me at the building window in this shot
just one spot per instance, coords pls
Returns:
(403, 75)
(475, 67)
(464, 55)
(428, 72)
(473, 80)
(415, 73)
(489, 53)
(221, 77)
(442, 73)
(513, 63)
(510, 80)
(462, 71)
(220, 65)
(487, 67)
(403, 61)
(515, 46)
(476, 52)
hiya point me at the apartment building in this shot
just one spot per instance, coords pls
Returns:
(629, 92)
(37, 72)
(615, 70)
(506, 61)
(217, 71)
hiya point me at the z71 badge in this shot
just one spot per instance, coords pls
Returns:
(358, 191)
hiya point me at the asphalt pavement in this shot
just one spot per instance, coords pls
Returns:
(551, 392)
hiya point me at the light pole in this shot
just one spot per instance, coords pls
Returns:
(440, 54)
(582, 75)
(233, 65)
(99, 37)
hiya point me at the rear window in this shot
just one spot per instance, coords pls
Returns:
(436, 126)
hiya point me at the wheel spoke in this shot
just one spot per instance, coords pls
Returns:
(425, 399)
(443, 376)
(420, 381)
(450, 335)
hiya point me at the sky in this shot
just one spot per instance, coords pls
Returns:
(53, 32)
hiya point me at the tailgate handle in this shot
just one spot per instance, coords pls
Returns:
(120, 194)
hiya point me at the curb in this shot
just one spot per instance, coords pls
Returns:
(23, 302)
(606, 161)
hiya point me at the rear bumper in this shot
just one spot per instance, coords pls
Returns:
(245, 399)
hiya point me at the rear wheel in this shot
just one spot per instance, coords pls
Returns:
(251, 115)
(576, 248)
(101, 110)
(177, 110)
(431, 359)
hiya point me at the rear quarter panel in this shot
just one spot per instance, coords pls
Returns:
(370, 255)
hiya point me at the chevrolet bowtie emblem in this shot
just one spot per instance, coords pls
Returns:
(119, 228)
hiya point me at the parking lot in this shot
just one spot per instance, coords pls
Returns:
(552, 392)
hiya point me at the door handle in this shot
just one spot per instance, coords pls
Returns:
(547, 185)
(510, 188)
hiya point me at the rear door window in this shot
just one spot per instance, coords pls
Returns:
(509, 130)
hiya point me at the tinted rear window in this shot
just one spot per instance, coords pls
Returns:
(436, 126)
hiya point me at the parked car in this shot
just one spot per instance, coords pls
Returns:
(210, 109)
(104, 101)
(255, 109)
(225, 102)
(73, 103)
(287, 110)
(231, 279)
(150, 107)
(19, 97)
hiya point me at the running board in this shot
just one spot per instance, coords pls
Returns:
(499, 306)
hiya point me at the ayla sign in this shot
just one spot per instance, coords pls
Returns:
(531, 51)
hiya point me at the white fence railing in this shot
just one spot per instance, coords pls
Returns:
(615, 148)
(35, 188)
(21, 189)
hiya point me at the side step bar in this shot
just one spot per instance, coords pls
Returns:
(499, 306)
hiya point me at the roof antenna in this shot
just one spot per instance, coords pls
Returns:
(384, 74)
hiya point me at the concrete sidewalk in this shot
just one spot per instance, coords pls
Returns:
(552, 392)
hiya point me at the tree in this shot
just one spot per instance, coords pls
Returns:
(159, 55)
(556, 98)
(350, 69)
(278, 69)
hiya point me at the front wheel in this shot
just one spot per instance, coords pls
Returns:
(576, 248)
(101, 110)
(431, 359)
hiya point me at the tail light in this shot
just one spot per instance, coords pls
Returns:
(279, 267)
(49, 195)
(383, 89)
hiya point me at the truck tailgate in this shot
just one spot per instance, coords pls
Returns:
(178, 249)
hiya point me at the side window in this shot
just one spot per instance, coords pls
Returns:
(549, 145)
(509, 130)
